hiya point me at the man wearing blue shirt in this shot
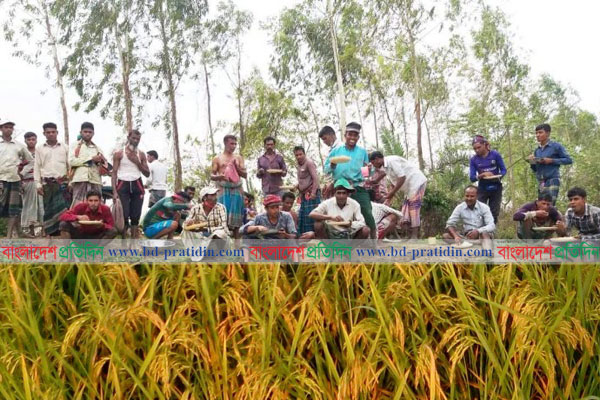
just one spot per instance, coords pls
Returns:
(351, 171)
(546, 161)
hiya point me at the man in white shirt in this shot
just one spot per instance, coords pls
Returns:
(347, 222)
(11, 155)
(408, 179)
(329, 138)
(386, 218)
(476, 220)
(157, 182)
(50, 175)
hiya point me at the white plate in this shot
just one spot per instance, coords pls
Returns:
(492, 177)
(339, 159)
(564, 239)
(339, 223)
(464, 245)
(274, 171)
(544, 228)
(156, 243)
(287, 187)
(91, 222)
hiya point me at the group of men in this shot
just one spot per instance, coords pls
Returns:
(63, 187)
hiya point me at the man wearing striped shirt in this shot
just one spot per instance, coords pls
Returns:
(580, 215)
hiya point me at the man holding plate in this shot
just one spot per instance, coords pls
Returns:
(89, 219)
(271, 168)
(487, 167)
(537, 220)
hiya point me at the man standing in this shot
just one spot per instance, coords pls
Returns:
(327, 135)
(85, 161)
(50, 174)
(476, 220)
(485, 164)
(539, 213)
(580, 215)
(11, 155)
(129, 164)
(408, 179)
(78, 222)
(227, 171)
(271, 168)
(33, 203)
(352, 171)
(546, 161)
(308, 186)
(157, 181)
(344, 212)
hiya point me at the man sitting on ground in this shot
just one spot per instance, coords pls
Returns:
(164, 217)
(340, 208)
(580, 215)
(272, 224)
(386, 219)
(476, 219)
(539, 213)
(76, 223)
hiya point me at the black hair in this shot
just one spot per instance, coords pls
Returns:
(184, 195)
(49, 125)
(374, 155)
(470, 187)
(544, 127)
(299, 148)
(577, 191)
(265, 140)
(134, 131)
(545, 196)
(29, 134)
(93, 192)
(250, 196)
(288, 195)
(153, 153)
(87, 125)
(189, 188)
(326, 130)
(227, 137)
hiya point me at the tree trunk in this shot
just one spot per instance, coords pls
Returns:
(317, 130)
(125, 73)
(338, 70)
(168, 75)
(57, 68)
(360, 121)
(419, 145)
(238, 93)
(374, 117)
(210, 127)
(429, 142)
(404, 127)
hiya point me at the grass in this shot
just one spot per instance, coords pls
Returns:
(299, 332)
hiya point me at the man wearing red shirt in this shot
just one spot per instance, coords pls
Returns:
(75, 223)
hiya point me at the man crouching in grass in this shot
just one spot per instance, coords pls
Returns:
(89, 219)
(163, 218)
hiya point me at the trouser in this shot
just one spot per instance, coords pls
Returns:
(131, 194)
(362, 197)
(155, 196)
(492, 198)
(75, 231)
(550, 186)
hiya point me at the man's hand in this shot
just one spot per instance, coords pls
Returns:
(484, 174)
(541, 214)
(457, 240)
(282, 234)
(473, 234)
(132, 155)
(97, 158)
(546, 160)
(261, 229)
(337, 218)
(40, 191)
(83, 218)
(388, 201)
(531, 157)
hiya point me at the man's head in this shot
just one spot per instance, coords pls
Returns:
(376, 158)
(288, 201)
(208, 196)
(342, 189)
(93, 198)
(191, 191)
(248, 199)
(272, 204)
(7, 127)
(87, 131)
(50, 131)
(269, 143)
(152, 156)
(471, 195)
(181, 197)
(543, 202)
(134, 137)
(327, 135)
(30, 140)
(352, 134)
(577, 197)
(300, 154)
(230, 143)
(542, 132)
(480, 145)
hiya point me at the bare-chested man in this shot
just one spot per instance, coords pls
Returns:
(227, 171)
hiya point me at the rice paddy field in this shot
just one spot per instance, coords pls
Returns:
(299, 332)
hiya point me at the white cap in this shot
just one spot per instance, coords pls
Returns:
(208, 190)
(6, 121)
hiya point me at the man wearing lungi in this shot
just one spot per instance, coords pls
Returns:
(85, 160)
(227, 171)
(308, 186)
(11, 155)
(50, 175)
(33, 203)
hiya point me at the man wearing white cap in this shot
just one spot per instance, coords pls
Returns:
(11, 155)
(206, 221)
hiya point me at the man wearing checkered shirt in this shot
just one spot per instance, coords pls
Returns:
(580, 215)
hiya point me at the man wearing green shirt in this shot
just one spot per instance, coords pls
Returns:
(163, 218)
(351, 171)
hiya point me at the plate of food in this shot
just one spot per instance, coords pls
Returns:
(339, 223)
(274, 171)
(492, 177)
(287, 187)
(465, 244)
(535, 160)
(544, 228)
(566, 239)
(156, 243)
(196, 227)
(339, 159)
(96, 223)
